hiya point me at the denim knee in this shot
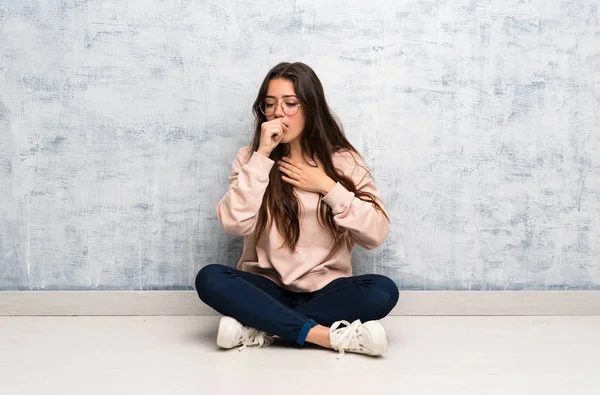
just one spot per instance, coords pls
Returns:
(208, 280)
(387, 294)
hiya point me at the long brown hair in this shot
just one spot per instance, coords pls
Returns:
(321, 138)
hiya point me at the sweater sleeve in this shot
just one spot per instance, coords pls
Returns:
(367, 226)
(238, 210)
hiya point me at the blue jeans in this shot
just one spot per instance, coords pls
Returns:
(259, 303)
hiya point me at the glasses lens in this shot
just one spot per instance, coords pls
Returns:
(267, 107)
(290, 107)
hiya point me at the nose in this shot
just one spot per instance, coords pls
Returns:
(279, 112)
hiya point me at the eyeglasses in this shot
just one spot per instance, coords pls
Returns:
(289, 107)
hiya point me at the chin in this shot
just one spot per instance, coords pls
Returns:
(287, 139)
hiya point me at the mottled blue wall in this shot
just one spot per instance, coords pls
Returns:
(119, 121)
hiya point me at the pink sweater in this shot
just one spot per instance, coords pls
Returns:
(313, 265)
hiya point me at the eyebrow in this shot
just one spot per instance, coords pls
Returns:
(285, 97)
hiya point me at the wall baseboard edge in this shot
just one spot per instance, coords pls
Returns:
(73, 303)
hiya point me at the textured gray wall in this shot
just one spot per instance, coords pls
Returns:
(119, 121)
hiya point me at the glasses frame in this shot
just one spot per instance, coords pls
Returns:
(260, 107)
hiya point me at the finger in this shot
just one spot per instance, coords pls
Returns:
(283, 164)
(284, 170)
(275, 131)
(287, 171)
(290, 181)
(278, 123)
(270, 124)
(289, 166)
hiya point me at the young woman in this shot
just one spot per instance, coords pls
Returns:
(302, 198)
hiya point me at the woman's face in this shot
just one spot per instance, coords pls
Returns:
(281, 91)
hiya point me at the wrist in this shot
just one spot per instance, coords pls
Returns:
(327, 186)
(263, 152)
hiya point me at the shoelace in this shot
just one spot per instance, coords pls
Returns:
(346, 338)
(254, 337)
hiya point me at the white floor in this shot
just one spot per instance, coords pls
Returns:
(178, 355)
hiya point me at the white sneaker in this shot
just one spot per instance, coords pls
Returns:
(233, 334)
(368, 338)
